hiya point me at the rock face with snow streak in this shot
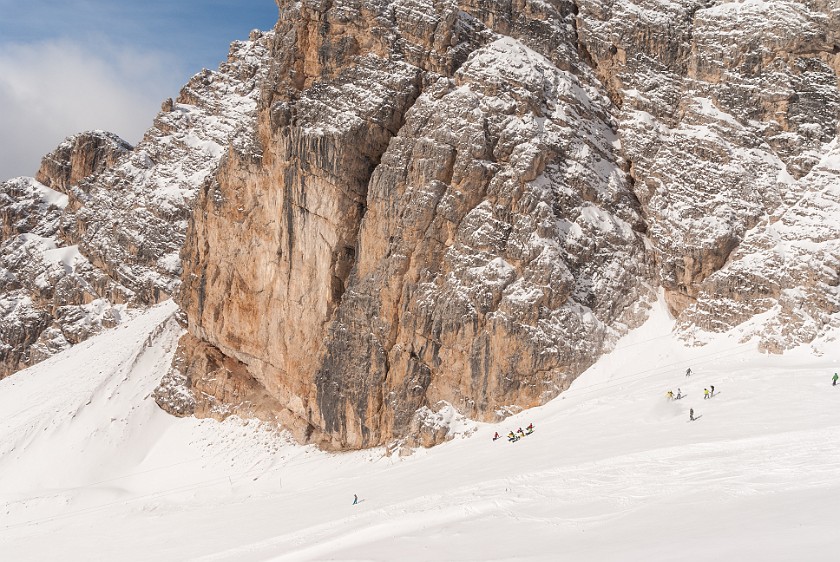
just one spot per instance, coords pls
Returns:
(725, 107)
(101, 228)
(431, 211)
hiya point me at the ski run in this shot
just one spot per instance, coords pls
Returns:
(91, 469)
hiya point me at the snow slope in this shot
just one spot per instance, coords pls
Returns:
(91, 469)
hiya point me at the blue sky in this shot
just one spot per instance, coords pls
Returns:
(73, 65)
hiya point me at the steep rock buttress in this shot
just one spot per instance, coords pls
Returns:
(432, 209)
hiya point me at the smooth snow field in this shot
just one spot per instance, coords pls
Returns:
(91, 469)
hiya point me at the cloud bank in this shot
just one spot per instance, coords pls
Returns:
(53, 89)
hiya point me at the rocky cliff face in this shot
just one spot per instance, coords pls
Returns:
(387, 209)
(725, 107)
(466, 202)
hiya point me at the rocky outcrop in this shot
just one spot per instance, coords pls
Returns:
(130, 221)
(79, 157)
(467, 202)
(782, 284)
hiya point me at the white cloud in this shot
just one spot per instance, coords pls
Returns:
(51, 90)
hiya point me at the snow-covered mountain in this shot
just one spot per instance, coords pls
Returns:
(383, 212)
(103, 223)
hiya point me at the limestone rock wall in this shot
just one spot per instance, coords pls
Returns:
(725, 106)
(428, 210)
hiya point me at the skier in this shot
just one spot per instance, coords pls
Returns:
(529, 430)
(834, 380)
(691, 414)
(679, 394)
(512, 437)
(670, 395)
(712, 393)
(705, 394)
(496, 436)
(355, 499)
(688, 372)
(521, 433)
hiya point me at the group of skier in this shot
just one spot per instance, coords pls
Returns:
(516, 436)
(707, 393)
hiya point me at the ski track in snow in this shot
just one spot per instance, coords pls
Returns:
(614, 470)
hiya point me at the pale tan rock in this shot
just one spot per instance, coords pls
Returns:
(79, 157)
(428, 211)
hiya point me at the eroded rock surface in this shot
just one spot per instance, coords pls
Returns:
(724, 105)
(431, 210)
(80, 156)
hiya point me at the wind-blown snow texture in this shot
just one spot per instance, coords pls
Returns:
(614, 471)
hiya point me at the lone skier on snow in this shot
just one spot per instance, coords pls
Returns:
(834, 380)
(688, 372)
(691, 414)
